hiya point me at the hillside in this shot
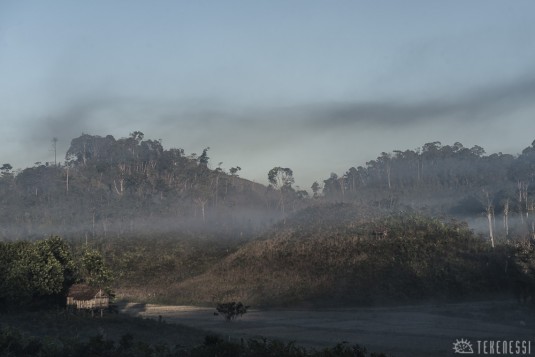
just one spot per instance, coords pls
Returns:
(441, 179)
(394, 258)
(109, 187)
(112, 188)
(174, 229)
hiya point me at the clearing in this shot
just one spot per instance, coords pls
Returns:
(415, 330)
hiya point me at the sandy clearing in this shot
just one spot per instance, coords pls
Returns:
(416, 330)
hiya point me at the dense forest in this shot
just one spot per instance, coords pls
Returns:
(444, 179)
(108, 187)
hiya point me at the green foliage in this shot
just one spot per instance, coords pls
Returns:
(14, 344)
(39, 273)
(315, 189)
(266, 347)
(263, 347)
(203, 159)
(34, 271)
(231, 310)
(234, 170)
(524, 257)
(523, 270)
(93, 270)
(281, 177)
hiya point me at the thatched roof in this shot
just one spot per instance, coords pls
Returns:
(83, 292)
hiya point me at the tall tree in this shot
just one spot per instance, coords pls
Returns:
(281, 179)
(506, 216)
(54, 147)
(234, 171)
(489, 210)
(6, 169)
(203, 159)
(315, 189)
(94, 270)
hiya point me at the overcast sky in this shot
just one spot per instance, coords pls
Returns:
(317, 86)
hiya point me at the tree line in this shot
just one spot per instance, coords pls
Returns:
(39, 273)
(109, 186)
(445, 179)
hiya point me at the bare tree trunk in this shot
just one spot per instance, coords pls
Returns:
(67, 184)
(202, 202)
(342, 187)
(388, 172)
(522, 196)
(120, 189)
(490, 216)
(525, 197)
(216, 189)
(84, 158)
(421, 170)
(506, 217)
(491, 234)
(55, 144)
(493, 221)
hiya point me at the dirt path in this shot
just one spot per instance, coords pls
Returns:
(418, 330)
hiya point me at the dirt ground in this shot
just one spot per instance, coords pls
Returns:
(415, 330)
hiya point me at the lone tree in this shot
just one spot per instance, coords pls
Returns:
(231, 310)
(5, 169)
(281, 178)
(315, 189)
(234, 171)
(203, 159)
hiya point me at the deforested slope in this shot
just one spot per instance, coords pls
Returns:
(390, 258)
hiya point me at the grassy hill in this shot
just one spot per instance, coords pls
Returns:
(331, 254)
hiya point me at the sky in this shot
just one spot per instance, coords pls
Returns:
(316, 86)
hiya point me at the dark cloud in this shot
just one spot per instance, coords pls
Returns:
(262, 135)
(73, 118)
(481, 105)
(92, 113)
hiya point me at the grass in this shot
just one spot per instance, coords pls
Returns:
(349, 265)
(57, 325)
(339, 254)
(57, 333)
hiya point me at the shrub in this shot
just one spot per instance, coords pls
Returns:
(231, 310)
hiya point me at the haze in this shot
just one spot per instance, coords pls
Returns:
(316, 86)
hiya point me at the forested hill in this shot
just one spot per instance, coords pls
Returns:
(112, 187)
(107, 187)
(443, 179)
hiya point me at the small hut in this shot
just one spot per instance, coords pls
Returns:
(85, 297)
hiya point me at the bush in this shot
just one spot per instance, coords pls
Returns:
(231, 310)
